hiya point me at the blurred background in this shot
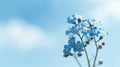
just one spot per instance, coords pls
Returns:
(32, 32)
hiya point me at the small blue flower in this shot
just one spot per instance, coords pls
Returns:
(68, 32)
(78, 47)
(71, 19)
(71, 42)
(94, 31)
(67, 50)
(75, 30)
(85, 31)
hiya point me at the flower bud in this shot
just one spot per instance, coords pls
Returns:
(79, 54)
(79, 20)
(101, 37)
(91, 38)
(71, 54)
(87, 42)
(100, 46)
(75, 23)
(65, 55)
(103, 43)
(100, 61)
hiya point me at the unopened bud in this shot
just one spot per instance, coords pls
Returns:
(91, 38)
(79, 54)
(65, 55)
(79, 20)
(100, 61)
(100, 46)
(103, 43)
(87, 42)
(71, 54)
(101, 37)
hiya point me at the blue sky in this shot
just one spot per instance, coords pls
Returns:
(32, 31)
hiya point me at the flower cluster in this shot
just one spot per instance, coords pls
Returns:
(84, 26)
(87, 30)
(76, 46)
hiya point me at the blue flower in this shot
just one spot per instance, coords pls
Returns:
(78, 47)
(68, 32)
(85, 24)
(67, 50)
(71, 42)
(94, 31)
(71, 19)
(85, 31)
(75, 30)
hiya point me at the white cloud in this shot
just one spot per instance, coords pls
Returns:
(24, 36)
(107, 8)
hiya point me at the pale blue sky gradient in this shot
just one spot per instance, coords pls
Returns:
(50, 16)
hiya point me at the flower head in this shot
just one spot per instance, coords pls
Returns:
(67, 50)
(68, 32)
(94, 31)
(75, 30)
(85, 23)
(71, 19)
(71, 42)
(78, 47)
(85, 31)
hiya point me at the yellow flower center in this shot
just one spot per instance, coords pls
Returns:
(96, 23)
(71, 19)
(94, 31)
(84, 30)
(77, 47)
(75, 29)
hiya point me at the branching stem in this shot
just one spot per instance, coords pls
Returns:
(96, 53)
(77, 60)
(85, 50)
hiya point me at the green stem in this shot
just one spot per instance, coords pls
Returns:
(77, 60)
(85, 50)
(96, 52)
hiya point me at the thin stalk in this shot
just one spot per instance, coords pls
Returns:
(96, 53)
(98, 40)
(88, 61)
(77, 60)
